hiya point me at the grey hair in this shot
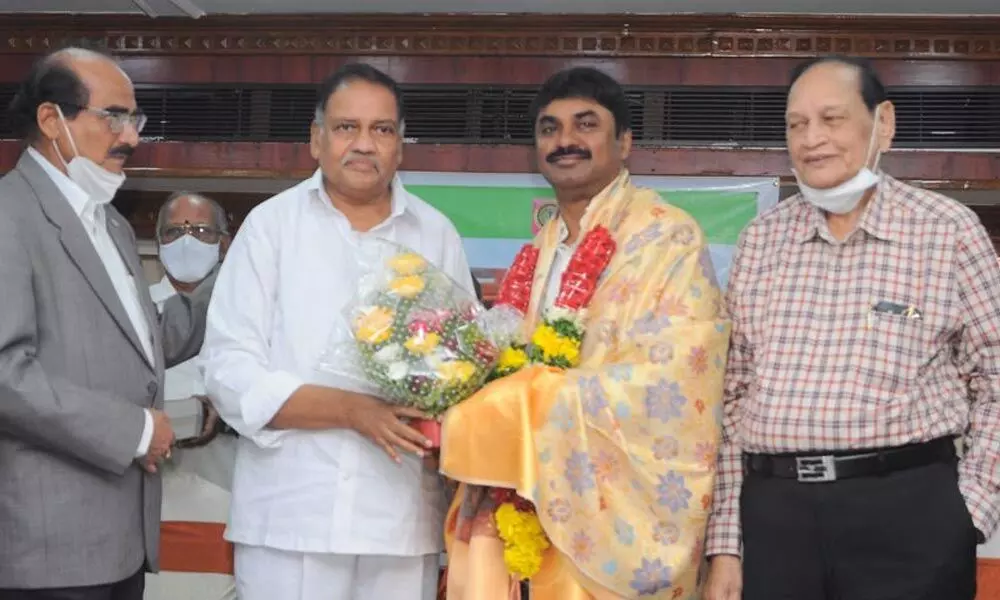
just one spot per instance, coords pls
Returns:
(221, 220)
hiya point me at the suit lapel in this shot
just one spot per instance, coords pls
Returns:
(77, 244)
(126, 249)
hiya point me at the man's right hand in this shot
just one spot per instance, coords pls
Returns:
(725, 578)
(162, 440)
(382, 424)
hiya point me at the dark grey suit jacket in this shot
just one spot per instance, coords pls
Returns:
(75, 507)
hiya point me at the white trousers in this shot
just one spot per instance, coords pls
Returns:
(269, 574)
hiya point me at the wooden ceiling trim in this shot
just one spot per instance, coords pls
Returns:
(914, 37)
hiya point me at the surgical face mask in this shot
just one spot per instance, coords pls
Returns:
(99, 183)
(842, 199)
(188, 259)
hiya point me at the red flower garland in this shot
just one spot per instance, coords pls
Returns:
(579, 281)
(504, 495)
(515, 291)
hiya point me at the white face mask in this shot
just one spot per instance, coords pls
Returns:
(189, 259)
(842, 199)
(99, 183)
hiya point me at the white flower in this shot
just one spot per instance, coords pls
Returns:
(556, 313)
(398, 370)
(435, 359)
(389, 353)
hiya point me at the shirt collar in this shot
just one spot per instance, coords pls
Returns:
(875, 221)
(162, 290)
(399, 197)
(592, 206)
(85, 208)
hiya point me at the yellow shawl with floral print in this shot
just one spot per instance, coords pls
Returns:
(618, 455)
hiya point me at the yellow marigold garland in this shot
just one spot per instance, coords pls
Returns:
(524, 540)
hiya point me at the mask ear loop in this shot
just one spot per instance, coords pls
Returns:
(69, 134)
(873, 143)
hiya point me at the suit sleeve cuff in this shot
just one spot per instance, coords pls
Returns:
(147, 435)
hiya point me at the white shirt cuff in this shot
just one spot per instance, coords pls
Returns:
(147, 435)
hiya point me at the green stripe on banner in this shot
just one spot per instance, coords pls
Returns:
(485, 212)
(506, 212)
(722, 215)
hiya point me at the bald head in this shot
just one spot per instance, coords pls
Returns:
(78, 102)
(58, 78)
(192, 208)
(847, 71)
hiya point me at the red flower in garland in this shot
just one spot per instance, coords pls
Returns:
(579, 281)
(515, 291)
(505, 495)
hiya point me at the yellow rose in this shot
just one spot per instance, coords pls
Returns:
(407, 287)
(374, 325)
(456, 370)
(408, 263)
(422, 344)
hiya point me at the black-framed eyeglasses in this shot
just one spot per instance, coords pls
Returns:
(200, 232)
(117, 119)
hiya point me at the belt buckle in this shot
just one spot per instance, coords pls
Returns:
(815, 469)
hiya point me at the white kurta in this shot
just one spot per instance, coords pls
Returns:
(195, 482)
(280, 291)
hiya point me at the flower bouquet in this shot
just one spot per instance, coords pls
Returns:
(415, 338)
(556, 342)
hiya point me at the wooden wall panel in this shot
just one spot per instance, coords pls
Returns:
(245, 159)
(514, 70)
(638, 50)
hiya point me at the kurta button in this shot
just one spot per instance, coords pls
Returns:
(151, 388)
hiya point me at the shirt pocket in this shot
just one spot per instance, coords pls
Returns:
(893, 353)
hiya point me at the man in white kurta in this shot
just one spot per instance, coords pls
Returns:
(192, 235)
(320, 511)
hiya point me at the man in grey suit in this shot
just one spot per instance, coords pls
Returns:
(82, 350)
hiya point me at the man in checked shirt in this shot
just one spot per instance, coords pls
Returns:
(866, 340)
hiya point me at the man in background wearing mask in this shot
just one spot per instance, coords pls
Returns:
(193, 235)
(866, 340)
(82, 349)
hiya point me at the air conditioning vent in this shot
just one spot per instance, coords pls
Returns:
(700, 116)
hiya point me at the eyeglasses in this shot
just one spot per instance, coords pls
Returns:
(203, 233)
(118, 119)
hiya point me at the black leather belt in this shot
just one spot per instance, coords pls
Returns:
(821, 468)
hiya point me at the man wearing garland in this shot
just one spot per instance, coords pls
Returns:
(616, 452)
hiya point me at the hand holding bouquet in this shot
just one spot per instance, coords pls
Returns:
(416, 337)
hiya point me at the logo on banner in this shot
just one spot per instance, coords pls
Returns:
(543, 210)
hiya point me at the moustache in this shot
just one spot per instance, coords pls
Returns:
(121, 152)
(568, 151)
(360, 158)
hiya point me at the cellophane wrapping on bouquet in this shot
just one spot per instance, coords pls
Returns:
(414, 336)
